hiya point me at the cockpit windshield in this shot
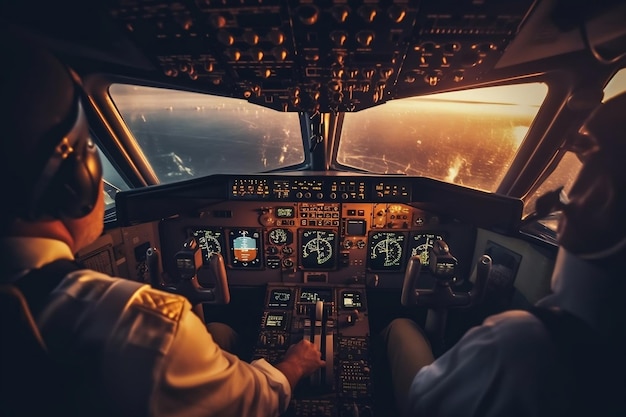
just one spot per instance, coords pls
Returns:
(185, 135)
(467, 138)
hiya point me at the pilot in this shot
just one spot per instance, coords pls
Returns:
(119, 347)
(564, 356)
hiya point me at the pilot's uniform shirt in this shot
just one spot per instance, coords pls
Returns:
(146, 352)
(505, 367)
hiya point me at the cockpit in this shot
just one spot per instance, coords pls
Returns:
(303, 169)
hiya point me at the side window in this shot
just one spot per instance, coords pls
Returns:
(563, 175)
(113, 182)
(569, 166)
(616, 85)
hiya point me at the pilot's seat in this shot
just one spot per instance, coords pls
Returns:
(31, 383)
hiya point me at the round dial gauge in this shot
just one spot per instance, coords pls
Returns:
(209, 242)
(318, 249)
(386, 249)
(421, 244)
(280, 236)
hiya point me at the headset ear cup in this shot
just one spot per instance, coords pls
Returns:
(69, 185)
(89, 176)
(73, 192)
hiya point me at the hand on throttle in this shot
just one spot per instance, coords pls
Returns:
(301, 359)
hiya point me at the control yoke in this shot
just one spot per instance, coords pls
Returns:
(441, 296)
(443, 267)
(188, 261)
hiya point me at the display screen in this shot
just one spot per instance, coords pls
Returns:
(318, 249)
(386, 251)
(275, 320)
(421, 243)
(311, 295)
(285, 212)
(279, 298)
(355, 227)
(245, 248)
(210, 240)
(351, 299)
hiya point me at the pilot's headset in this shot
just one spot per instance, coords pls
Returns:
(69, 184)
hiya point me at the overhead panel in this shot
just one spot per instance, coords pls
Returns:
(325, 56)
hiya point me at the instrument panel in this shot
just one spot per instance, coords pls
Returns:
(335, 228)
(314, 242)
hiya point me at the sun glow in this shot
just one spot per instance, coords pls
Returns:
(519, 133)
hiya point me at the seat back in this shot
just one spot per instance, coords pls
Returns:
(592, 368)
(30, 384)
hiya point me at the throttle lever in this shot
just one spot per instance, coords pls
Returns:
(317, 333)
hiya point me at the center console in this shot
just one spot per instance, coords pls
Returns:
(335, 319)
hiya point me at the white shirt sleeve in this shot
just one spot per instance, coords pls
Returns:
(500, 364)
(149, 353)
(200, 379)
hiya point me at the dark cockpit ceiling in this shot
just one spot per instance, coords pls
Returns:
(331, 56)
(296, 55)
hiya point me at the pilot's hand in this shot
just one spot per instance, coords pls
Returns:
(301, 359)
